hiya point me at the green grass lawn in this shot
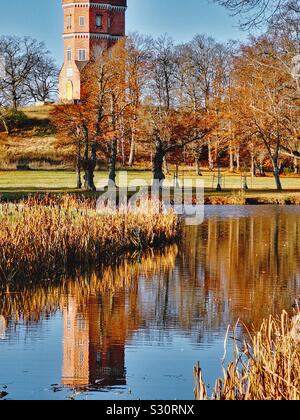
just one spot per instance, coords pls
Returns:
(57, 180)
(16, 183)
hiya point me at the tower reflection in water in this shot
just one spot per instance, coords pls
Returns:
(94, 352)
(2, 327)
(101, 318)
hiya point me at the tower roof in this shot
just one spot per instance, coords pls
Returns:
(104, 3)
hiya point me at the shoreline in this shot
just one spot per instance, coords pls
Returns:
(228, 197)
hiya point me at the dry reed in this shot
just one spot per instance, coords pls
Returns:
(238, 198)
(268, 368)
(43, 238)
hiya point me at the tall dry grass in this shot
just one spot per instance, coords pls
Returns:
(268, 368)
(47, 237)
(236, 199)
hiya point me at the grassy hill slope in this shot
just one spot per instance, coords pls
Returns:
(33, 143)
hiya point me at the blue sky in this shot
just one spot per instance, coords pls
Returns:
(42, 19)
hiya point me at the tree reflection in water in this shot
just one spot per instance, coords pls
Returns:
(226, 269)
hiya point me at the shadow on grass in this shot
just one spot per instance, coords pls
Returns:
(253, 196)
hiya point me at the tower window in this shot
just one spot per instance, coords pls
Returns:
(81, 20)
(69, 22)
(109, 22)
(99, 21)
(82, 55)
(69, 54)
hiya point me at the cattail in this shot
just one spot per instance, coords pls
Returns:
(267, 369)
(38, 236)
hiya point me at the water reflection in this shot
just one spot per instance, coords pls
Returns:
(2, 327)
(252, 263)
(94, 349)
(243, 267)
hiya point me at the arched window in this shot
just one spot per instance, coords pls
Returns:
(69, 90)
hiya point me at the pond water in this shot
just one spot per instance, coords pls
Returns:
(135, 331)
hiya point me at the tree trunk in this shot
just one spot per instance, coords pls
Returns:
(210, 158)
(198, 160)
(176, 177)
(253, 166)
(217, 151)
(198, 168)
(89, 163)
(158, 161)
(231, 158)
(132, 143)
(132, 151)
(237, 158)
(89, 177)
(78, 166)
(261, 168)
(14, 100)
(113, 161)
(277, 177)
(296, 166)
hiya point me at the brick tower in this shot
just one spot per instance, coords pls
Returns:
(89, 25)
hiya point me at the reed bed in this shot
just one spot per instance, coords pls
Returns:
(47, 237)
(268, 367)
(236, 199)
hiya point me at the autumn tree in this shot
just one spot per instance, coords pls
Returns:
(264, 100)
(174, 112)
(202, 77)
(85, 123)
(171, 132)
(117, 89)
(137, 60)
(72, 122)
